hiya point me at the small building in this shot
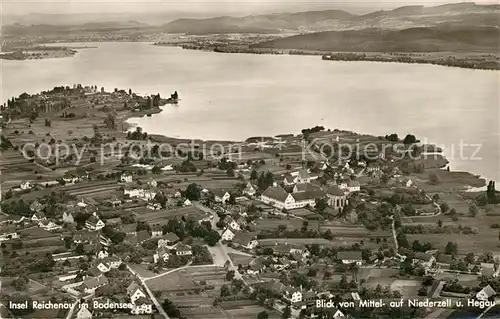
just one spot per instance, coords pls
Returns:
(26, 185)
(221, 196)
(83, 313)
(350, 257)
(156, 231)
(135, 292)
(250, 189)
(245, 241)
(126, 178)
(38, 217)
(182, 249)
(228, 234)
(91, 284)
(94, 223)
(68, 218)
(486, 293)
(161, 253)
(168, 240)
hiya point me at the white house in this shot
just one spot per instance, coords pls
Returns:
(292, 295)
(353, 187)
(38, 217)
(68, 218)
(228, 234)
(152, 182)
(7, 232)
(49, 225)
(145, 194)
(250, 189)
(84, 313)
(187, 202)
(156, 231)
(135, 292)
(25, 185)
(168, 240)
(102, 254)
(182, 250)
(126, 178)
(245, 240)
(91, 284)
(486, 293)
(221, 196)
(94, 223)
(142, 307)
(350, 257)
(161, 253)
(103, 267)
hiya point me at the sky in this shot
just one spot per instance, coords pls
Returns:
(21, 7)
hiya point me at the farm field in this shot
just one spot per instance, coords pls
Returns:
(188, 279)
(290, 223)
(163, 216)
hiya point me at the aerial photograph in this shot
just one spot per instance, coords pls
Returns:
(249, 159)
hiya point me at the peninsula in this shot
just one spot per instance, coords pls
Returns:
(106, 211)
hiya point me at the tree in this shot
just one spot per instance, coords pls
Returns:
(193, 192)
(410, 139)
(321, 204)
(156, 170)
(444, 207)
(433, 178)
(171, 309)
(225, 291)
(451, 248)
(20, 284)
(440, 223)
(263, 315)
(287, 312)
(230, 275)
(473, 210)
(254, 175)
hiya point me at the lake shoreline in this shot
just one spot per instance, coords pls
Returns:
(471, 61)
(469, 181)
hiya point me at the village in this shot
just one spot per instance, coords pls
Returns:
(103, 222)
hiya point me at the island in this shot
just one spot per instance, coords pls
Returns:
(101, 216)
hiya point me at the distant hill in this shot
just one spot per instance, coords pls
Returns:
(256, 23)
(400, 18)
(435, 39)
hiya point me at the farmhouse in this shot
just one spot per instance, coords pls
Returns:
(230, 222)
(250, 189)
(353, 187)
(292, 294)
(142, 306)
(7, 232)
(126, 178)
(350, 257)
(426, 260)
(220, 195)
(256, 266)
(84, 313)
(85, 237)
(68, 218)
(156, 231)
(245, 240)
(161, 253)
(49, 225)
(35, 206)
(38, 217)
(135, 292)
(90, 285)
(489, 270)
(25, 185)
(168, 240)
(142, 193)
(485, 293)
(94, 223)
(228, 234)
(137, 238)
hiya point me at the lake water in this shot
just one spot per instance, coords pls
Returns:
(235, 96)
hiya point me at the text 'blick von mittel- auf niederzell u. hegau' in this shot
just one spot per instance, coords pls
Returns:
(379, 303)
